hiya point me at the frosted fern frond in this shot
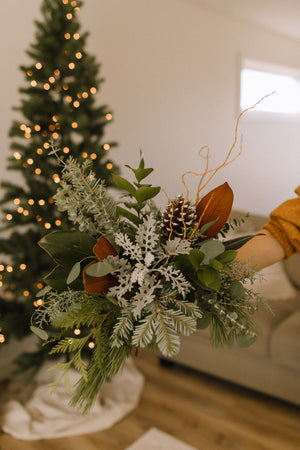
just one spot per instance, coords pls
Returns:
(176, 278)
(118, 264)
(125, 284)
(138, 274)
(147, 236)
(177, 246)
(85, 199)
(57, 303)
(145, 295)
(130, 249)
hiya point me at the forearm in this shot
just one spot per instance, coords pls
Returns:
(261, 251)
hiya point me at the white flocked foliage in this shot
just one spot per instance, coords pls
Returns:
(143, 314)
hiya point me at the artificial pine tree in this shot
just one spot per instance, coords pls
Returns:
(58, 103)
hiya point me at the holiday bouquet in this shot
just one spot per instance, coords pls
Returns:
(130, 276)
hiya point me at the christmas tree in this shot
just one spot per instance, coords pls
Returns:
(58, 104)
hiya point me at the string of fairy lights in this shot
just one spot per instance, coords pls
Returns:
(52, 84)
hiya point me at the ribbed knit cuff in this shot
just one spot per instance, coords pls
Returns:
(280, 237)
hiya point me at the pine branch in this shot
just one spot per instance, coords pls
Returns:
(85, 199)
(111, 362)
(144, 332)
(123, 329)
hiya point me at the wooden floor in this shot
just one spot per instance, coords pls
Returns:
(203, 412)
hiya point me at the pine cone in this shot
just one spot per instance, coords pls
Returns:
(189, 216)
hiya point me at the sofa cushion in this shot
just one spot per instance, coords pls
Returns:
(281, 296)
(272, 283)
(292, 268)
(285, 342)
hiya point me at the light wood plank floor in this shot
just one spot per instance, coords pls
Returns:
(202, 411)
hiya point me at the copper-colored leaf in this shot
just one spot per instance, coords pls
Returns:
(103, 248)
(215, 205)
(97, 285)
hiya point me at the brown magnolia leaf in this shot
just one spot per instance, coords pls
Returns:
(215, 206)
(97, 285)
(103, 248)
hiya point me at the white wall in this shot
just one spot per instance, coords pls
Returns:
(171, 70)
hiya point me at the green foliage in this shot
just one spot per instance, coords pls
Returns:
(236, 243)
(85, 198)
(67, 249)
(99, 269)
(39, 332)
(203, 267)
(124, 184)
(139, 194)
(222, 298)
(232, 224)
(236, 290)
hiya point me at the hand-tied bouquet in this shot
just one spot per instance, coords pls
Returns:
(134, 276)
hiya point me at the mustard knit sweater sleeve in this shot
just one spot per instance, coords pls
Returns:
(284, 225)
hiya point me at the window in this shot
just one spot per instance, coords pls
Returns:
(259, 79)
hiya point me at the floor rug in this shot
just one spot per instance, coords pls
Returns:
(155, 439)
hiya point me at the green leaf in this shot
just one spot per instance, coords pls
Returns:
(204, 322)
(142, 161)
(146, 193)
(124, 184)
(74, 273)
(57, 279)
(206, 226)
(237, 290)
(132, 205)
(234, 244)
(68, 247)
(39, 332)
(196, 257)
(132, 217)
(67, 382)
(99, 269)
(244, 341)
(43, 291)
(112, 300)
(227, 256)
(209, 278)
(212, 248)
(140, 173)
(215, 264)
(184, 264)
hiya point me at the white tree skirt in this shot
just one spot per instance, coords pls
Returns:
(47, 416)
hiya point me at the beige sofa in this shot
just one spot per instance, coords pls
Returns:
(272, 364)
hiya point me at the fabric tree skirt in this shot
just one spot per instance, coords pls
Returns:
(47, 415)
